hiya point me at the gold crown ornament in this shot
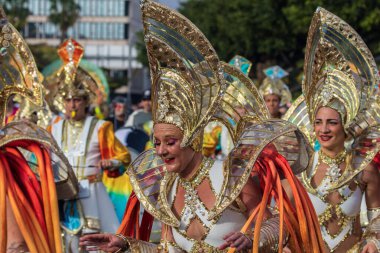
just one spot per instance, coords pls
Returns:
(71, 80)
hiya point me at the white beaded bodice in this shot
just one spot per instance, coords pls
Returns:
(229, 220)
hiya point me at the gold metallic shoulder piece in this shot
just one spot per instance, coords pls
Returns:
(298, 115)
(187, 79)
(151, 183)
(272, 135)
(18, 70)
(339, 69)
(241, 103)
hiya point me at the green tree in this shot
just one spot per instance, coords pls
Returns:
(17, 12)
(275, 31)
(43, 54)
(141, 49)
(64, 14)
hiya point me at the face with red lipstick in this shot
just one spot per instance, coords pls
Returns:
(167, 141)
(329, 129)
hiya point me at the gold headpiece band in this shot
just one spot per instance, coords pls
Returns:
(276, 87)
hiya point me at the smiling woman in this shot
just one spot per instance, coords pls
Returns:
(329, 130)
(340, 109)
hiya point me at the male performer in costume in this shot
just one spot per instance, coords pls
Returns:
(90, 147)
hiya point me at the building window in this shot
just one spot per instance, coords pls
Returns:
(126, 31)
(126, 8)
(32, 30)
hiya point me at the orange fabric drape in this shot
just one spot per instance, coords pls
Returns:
(130, 224)
(300, 221)
(33, 202)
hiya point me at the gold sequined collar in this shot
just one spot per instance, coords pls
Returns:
(200, 174)
(338, 159)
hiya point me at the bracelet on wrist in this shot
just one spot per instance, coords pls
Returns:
(126, 243)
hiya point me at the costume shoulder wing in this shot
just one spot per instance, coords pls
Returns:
(241, 103)
(298, 115)
(151, 183)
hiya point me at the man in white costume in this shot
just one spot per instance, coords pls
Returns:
(90, 147)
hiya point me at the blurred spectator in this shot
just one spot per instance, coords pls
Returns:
(135, 134)
(139, 117)
(119, 109)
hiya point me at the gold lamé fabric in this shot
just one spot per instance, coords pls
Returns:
(18, 71)
(71, 80)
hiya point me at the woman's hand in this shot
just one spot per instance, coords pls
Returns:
(104, 242)
(370, 247)
(236, 240)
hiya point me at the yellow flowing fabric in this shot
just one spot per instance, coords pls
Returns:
(118, 186)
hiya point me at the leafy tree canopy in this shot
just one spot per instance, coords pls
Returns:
(64, 14)
(275, 31)
(17, 12)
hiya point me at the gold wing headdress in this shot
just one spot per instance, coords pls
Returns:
(187, 78)
(339, 69)
(244, 113)
(71, 80)
(340, 73)
(18, 70)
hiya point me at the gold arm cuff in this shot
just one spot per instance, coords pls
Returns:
(136, 246)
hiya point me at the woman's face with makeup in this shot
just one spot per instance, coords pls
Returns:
(167, 141)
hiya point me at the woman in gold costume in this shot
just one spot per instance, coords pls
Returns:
(340, 110)
(206, 205)
(32, 168)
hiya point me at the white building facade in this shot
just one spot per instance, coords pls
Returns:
(107, 30)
